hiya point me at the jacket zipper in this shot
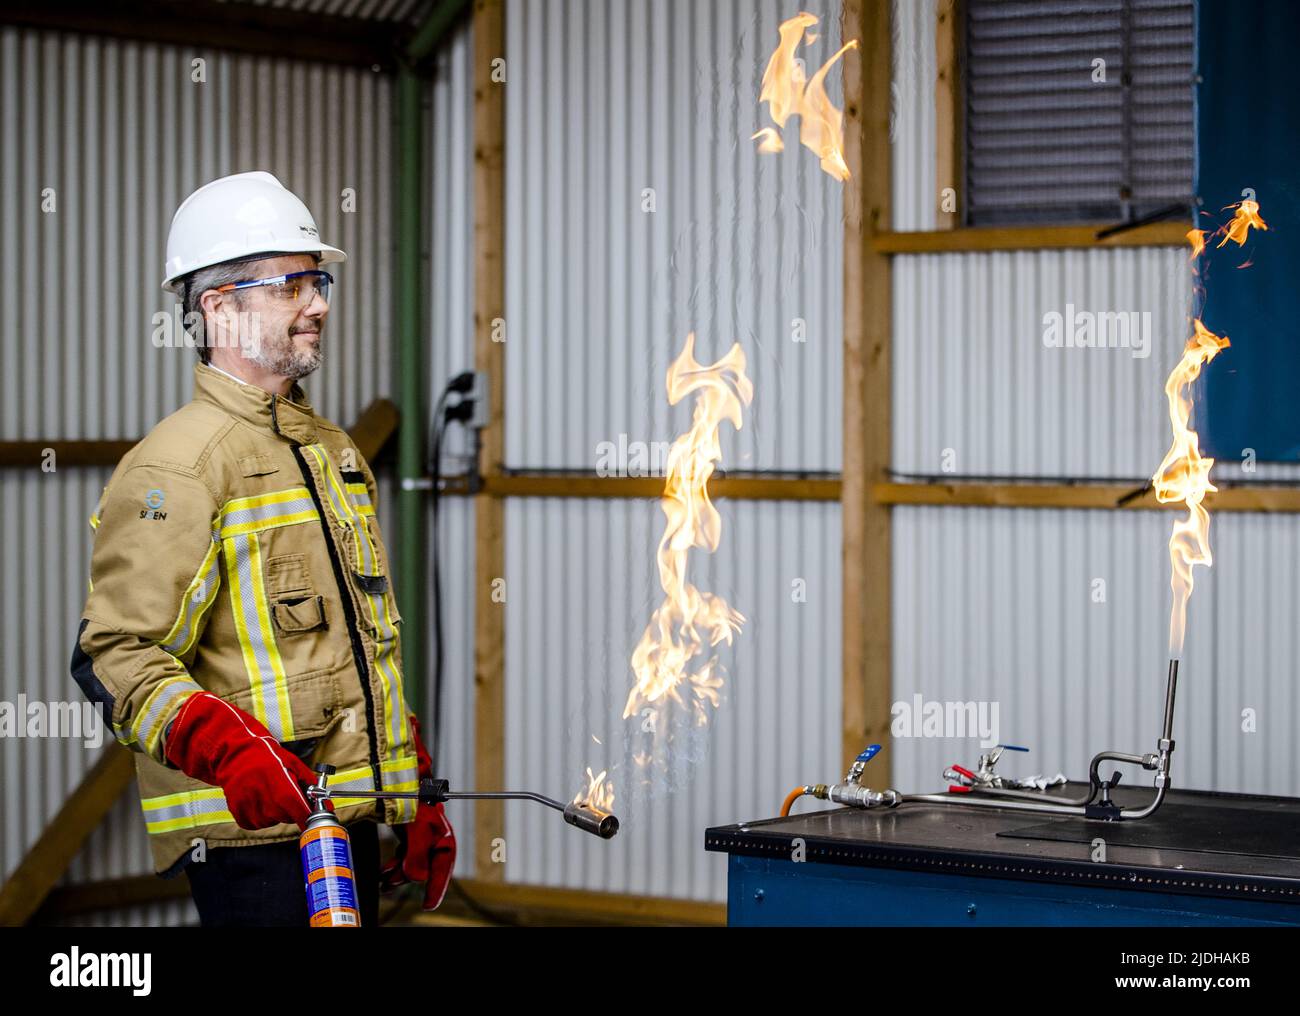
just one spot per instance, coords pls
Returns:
(349, 615)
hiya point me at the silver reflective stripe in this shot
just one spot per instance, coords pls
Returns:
(157, 706)
(186, 810)
(202, 588)
(252, 622)
(258, 516)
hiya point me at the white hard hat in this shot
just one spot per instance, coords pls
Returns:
(237, 217)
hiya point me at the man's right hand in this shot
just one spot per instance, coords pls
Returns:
(220, 744)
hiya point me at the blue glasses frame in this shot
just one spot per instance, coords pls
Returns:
(324, 282)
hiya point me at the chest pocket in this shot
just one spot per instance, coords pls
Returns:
(295, 605)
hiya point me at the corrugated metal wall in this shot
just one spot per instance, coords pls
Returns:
(999, 605)
(611, 107)
(451, 350)
(637, 211)
(581, 587)
(119, 133)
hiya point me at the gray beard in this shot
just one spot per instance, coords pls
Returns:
(286, 360)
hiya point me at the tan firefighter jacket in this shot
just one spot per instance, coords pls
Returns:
(237, 551)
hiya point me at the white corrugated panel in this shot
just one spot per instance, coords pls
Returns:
(977, 390)
(99, 142)
(451, 350)
(912, 122)
(1002, 606)
(611, 107)
(581, 585)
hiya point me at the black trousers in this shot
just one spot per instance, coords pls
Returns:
(263, 886)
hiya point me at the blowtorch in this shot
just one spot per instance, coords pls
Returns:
(326, 851)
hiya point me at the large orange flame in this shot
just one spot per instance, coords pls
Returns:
(1184, 475)
(688, 621)
(787, 93)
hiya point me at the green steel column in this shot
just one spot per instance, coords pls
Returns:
(412, 575)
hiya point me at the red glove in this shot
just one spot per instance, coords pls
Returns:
(426, 848)
(220, 744)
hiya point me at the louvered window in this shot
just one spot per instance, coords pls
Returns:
(1047, 141)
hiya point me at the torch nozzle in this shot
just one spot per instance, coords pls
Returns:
(592, 820)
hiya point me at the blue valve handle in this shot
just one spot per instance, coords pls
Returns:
(868, 753)
(1012, 747)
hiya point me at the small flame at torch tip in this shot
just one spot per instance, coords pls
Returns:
(599, 792)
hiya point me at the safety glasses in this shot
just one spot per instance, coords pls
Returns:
(296, 289)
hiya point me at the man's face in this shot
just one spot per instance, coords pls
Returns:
(280, 335)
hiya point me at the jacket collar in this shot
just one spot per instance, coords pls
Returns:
(292, 417)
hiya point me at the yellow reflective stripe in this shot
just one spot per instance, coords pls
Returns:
(261, 525)
(252, 613)
(94, 520)
(367, 560)
(199, 595)
(161, 704)
(361, 502)
(341, 504)
(402, 766)
(266, 511)
(352, 779)
(188, 809)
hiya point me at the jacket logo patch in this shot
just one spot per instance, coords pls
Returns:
(153, 501)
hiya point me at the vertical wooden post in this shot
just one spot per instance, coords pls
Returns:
(867, 379)
(949, 106)
(489, 356)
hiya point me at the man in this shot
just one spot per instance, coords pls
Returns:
(241, 625)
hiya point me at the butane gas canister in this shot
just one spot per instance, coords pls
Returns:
(327, 871)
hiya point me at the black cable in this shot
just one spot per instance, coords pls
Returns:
(435, 737)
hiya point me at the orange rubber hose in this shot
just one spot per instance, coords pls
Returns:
(793, 796)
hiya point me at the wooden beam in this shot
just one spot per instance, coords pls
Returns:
(517, 904)
(372, 432)
(375, 428)
(110, 894)
(748, 488)
(36, 454)
(544, 906)
(205, 25)
(489, 356)
(866, 549)
(949, 114)
(947, 241)
(49, 857)
(1099, 496)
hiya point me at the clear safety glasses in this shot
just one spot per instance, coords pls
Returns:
(297, 289)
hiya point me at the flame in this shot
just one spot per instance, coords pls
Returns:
(689, 621)
(1247, 215)
(787, 92)
(599, 792)
(1184, 475)
(772, 142)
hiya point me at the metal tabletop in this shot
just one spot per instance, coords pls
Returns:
(1199, 842)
